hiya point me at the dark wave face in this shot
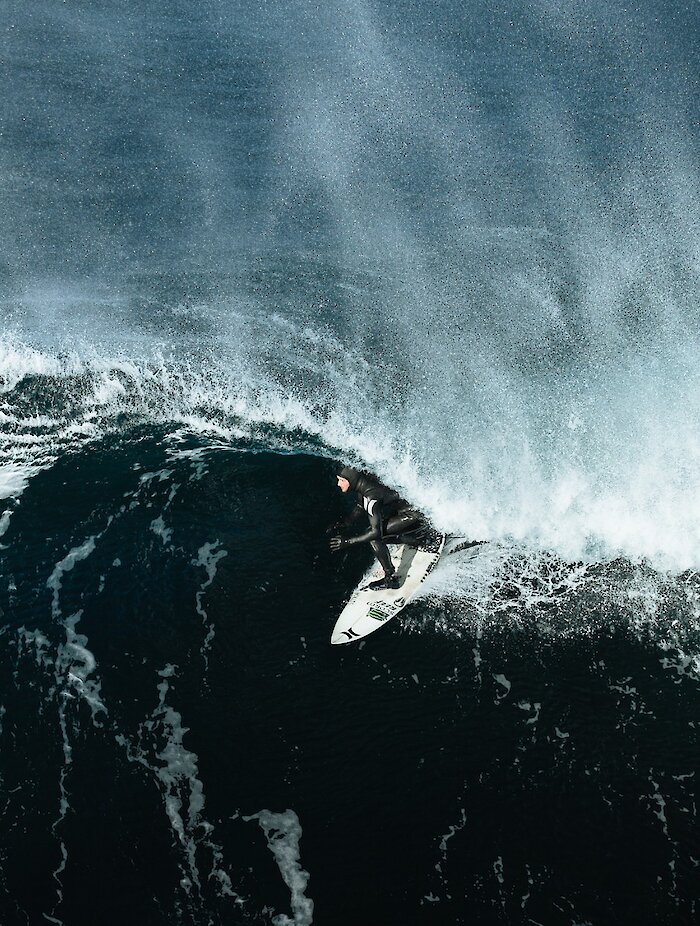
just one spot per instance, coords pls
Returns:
(174, 717)
(457, 245)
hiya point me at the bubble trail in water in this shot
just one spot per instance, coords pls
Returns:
(283, 833)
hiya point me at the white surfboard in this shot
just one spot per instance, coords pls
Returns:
(369, 610)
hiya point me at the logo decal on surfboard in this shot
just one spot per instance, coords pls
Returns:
(377, 614)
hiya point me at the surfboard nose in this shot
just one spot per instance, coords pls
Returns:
(344, 636)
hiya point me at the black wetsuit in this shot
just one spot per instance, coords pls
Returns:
(391, 518)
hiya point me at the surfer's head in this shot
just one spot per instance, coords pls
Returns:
(347, 478)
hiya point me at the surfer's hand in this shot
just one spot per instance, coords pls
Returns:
(337, 543)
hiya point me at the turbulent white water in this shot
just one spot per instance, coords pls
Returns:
(611, 469)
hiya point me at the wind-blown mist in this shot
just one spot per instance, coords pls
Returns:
(460, 245)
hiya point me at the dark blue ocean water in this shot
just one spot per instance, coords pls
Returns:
(458, 245)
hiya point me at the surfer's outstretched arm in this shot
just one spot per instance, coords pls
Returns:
(374, 537)
(374, 532)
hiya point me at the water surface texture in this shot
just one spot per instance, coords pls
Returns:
(458, 244)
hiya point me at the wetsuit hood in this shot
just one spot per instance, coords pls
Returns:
(351, 474)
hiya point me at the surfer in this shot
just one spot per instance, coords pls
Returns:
(391, 519)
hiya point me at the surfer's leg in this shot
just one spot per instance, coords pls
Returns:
(381, 551)
(390, 579)
(406, 526)
(400, 522)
